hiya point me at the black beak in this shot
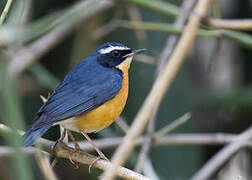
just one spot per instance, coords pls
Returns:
(137, 51)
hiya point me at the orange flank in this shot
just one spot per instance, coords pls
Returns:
(105, 114)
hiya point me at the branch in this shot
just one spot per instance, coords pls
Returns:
(223, 155)
(134, 15)
(61, 150)
(159, 88)
(161, 27)
(173, 125)
(172, 10)
(108, 143)
(146, 26)
(5, 11)
(159, 6)
(239, 37)
(234, 24)
(197, 139)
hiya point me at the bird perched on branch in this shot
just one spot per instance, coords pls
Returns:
(90, 98)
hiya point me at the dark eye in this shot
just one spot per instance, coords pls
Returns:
(116, 53)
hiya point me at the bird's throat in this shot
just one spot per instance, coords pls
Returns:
(125, 65)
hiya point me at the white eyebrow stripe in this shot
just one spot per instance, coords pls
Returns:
(112, 48)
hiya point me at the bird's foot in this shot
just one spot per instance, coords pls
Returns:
(73, 150)
(76, 147)
(74, 163)
(59, 143)
(101, 156)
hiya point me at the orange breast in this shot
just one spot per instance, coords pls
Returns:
(105, 114)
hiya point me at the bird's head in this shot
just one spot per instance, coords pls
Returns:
(114, 54)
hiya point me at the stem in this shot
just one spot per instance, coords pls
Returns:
(5, 11)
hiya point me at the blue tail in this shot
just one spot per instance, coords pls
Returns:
(34, 133)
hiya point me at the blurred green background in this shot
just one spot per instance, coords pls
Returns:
(214, 83)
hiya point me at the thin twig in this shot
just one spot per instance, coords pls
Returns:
(161, 27)
(5, 11)
(134, 15)
(197, 139)
(170, 127)
(234, 24)
(184, 12)
(108, 143)
(159, 88)
(241, 38)
(108, 27)
(143, 155)
(159, 6)
(223, 155)
(104, 30)
(9, 151)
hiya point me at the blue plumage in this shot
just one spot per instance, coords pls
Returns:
(87, 86)
(33, 133)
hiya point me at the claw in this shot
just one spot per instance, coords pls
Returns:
(94, 161)
(74, 163)
(77, 147)
(70, 158)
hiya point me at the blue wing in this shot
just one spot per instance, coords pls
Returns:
(85, 88)
(82, 91)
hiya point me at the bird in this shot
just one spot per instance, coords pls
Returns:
(91, 96)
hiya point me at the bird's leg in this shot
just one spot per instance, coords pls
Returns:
(76, 145)
(101, 155)
(60, 140)
(63, 135)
